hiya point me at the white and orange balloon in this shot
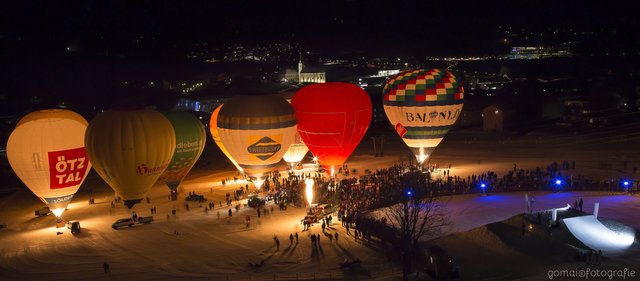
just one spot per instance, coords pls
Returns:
(46, 150)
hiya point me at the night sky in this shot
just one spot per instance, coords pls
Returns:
(398, 27)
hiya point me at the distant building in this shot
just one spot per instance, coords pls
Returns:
(492, 82)
(313, 77)
(579, 112)
(519, 53)
(387, 72)
(291, 75)
(492, 118)
(304, 76)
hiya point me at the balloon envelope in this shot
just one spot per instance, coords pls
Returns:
(332, 119)
(190, 141)
(130, 149)
(257, 130)
(422, 105)
(213, 127)
(296, 151)
(46, 151)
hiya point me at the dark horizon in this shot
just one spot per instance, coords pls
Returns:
(334, 27)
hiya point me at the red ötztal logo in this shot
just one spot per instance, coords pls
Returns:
(67, 167)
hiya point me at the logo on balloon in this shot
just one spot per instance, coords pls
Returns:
(67, 167)
(400, 130)
(184, 147)
(59, 200)
(433, 116)
(143, 170)
(264, 148)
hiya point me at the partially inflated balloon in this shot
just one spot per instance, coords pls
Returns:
(46, 151)
(190, 141)
(296, 151)
(213, 126)
(257, 130)
(130, 149)
(332, 119)
(423, 105)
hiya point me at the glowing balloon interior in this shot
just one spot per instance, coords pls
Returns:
(332, 119)
(423, 105)
(296, 151)
(130, 149)
(46, 151)
(213, 127)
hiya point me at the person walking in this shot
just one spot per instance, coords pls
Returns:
(105, 266)
(580, 204)
(296, 237)
(336, 236)
(275, 238)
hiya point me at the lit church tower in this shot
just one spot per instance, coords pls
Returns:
(300, 69)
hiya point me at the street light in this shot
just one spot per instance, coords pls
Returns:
(626, 184)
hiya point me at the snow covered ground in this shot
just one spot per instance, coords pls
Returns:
(206, 248)
(212, 248)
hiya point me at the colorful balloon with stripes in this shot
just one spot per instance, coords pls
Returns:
(422, 105)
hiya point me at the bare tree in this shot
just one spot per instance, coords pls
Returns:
(419, 215)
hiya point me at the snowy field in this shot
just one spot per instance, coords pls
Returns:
(212, 248)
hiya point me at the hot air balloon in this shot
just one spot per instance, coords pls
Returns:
(190, 141)
(130, 149)
(332, 119)
(422, 105)
(296, 151)
(257, 130)
(46, 151)
(213, 126)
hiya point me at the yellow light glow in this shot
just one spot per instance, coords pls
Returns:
(309, 190)
(58, 212)
(422, 156)
(333, 171)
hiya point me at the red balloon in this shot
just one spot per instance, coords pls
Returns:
(332, 119)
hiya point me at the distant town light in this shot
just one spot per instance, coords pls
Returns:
(558, 182)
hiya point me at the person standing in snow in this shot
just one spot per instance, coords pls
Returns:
(105, 266)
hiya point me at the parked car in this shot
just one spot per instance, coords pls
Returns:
(195, 198)
(256, 201)
(74, 226)
(145, 220)
(44, 211)
(129, 222)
